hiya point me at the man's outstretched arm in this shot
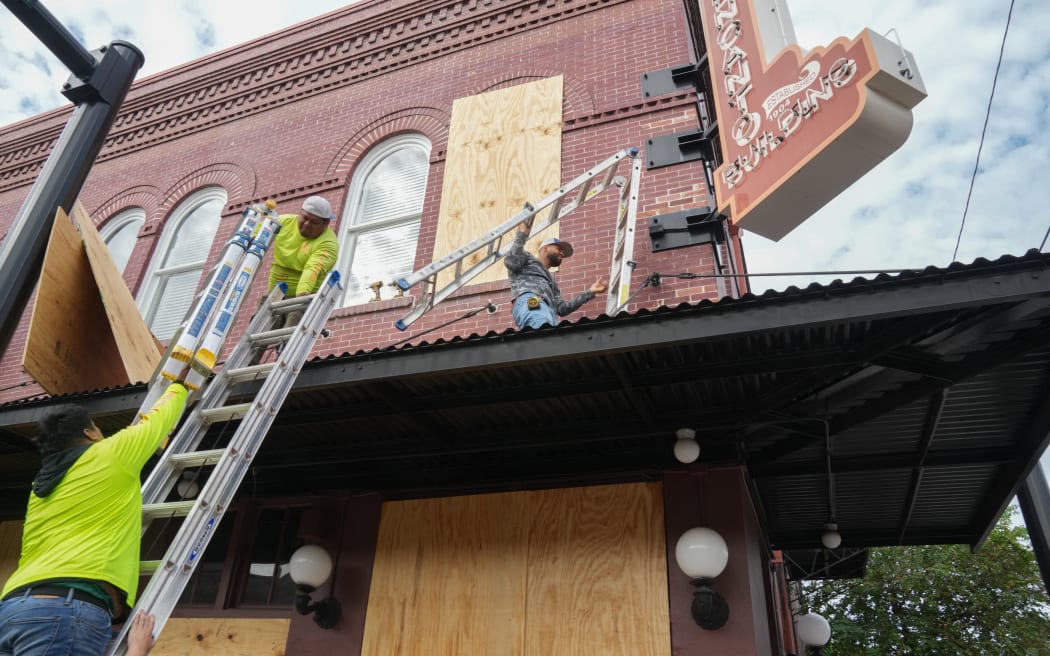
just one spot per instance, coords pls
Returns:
(563, 307)
(516, 257)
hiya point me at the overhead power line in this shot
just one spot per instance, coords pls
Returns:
(984, 130)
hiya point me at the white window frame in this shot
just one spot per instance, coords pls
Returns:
(348, 230)
(147, 298)
(118, 223)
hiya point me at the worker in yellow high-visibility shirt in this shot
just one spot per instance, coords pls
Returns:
(79, 568)
(304, 251)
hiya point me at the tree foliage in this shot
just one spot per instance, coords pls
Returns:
(941, 600)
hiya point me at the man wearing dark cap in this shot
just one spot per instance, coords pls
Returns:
(79, 566)
(535, 293)
(304, 251)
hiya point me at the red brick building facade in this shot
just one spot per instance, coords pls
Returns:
(293, 115)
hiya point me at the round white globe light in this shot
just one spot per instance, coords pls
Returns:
(813, 629)
(831, 537)
(701, 553)
(310, 565)
(686, 451)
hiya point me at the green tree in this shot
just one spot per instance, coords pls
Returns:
(941, 600)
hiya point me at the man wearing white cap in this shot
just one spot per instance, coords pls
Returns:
(535, 293)
(304, 251)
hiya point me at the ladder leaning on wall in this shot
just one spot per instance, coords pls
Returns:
(191, 357)
(486, 250)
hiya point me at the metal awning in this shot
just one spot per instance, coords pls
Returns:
(930, 388)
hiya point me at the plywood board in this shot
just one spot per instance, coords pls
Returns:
(70, 346)
(597, 581)
(449, 578)
(571, 571)
(10, 548)
(139, 350)
(222, 637)
(504, 149)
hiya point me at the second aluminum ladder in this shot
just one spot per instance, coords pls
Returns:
(566, 199)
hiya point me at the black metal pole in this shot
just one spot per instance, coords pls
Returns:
(54, 35)
(1034, 499)
(97, 91)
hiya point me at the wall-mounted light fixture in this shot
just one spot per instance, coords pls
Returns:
(686, 448)
(814, 631)
(702, 554)
(310, 566)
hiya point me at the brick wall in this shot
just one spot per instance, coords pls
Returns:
(292, 116)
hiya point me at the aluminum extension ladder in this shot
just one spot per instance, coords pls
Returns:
(232, 462)
(191, 357)
(561, 202)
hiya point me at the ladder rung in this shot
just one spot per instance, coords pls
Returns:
(197, 458)
(167, 509)
(291, 303)
(271, 336)
(582, 195)
(226, 412)
(555, 209)
(251, 372)
(148, 566)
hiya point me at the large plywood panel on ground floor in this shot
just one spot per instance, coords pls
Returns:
(70, 346)
(569, 571)
(10, 548)
(222, 637)
(504, 149)
(449, 578)
(597, 572)
(139, 350)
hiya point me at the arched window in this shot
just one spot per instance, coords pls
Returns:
(120, 233)
(381, 226)
(176, 267)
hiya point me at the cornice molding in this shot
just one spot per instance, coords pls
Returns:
(286, 68)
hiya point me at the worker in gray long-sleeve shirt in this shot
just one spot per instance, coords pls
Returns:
(534, 291)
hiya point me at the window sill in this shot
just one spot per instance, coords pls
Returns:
(372, 307)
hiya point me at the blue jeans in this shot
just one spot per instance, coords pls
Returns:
(526, 318)
(40, 626)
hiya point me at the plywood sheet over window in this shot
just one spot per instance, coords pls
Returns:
(597, 572)
(504, 148)
(225, 637)
(449, 577)
(569, 571)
